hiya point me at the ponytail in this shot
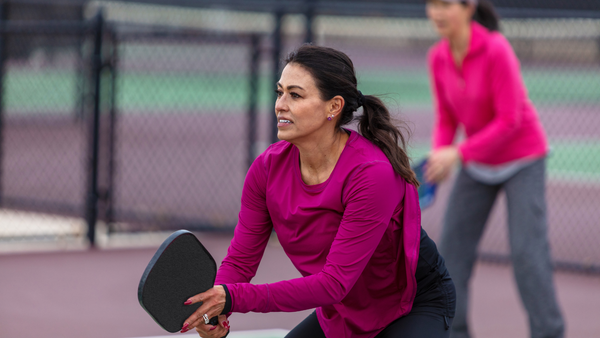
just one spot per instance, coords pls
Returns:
(486, 15)
(376, 125)
(334, 74)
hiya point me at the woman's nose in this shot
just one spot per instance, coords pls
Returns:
(280, 104)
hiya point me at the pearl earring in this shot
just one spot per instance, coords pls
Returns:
(330, 117)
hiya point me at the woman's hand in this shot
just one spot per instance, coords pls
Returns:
(218, 331)
(213, 303)
(440, 163)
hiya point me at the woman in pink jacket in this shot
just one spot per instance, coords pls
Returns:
(345, 208)
(477, 86)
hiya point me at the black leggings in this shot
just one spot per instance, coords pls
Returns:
(413, 325)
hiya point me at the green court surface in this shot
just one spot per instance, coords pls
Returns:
(39, 91)
(28, 90)
(578, 161)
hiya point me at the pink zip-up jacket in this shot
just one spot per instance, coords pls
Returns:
(488, 98)
(354, 238)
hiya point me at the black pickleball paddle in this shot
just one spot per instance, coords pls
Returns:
(180, 268)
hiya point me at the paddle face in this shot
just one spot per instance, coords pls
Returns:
(180, 268)
(426, 190)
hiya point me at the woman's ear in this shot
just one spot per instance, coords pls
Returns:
(336, 105)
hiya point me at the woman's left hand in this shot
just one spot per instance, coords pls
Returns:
(213, 303)
(440, 163)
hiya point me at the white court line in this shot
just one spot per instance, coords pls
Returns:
(22, 231)
(271, 333)
(29, 224)
(28, 232)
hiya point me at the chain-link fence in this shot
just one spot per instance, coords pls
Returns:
(44, 114)
(182, 141)
(174, 157)
(194, 102)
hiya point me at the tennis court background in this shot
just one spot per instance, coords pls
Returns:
(181, 134)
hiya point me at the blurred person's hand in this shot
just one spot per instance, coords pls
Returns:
(440, 163)
(213, 303)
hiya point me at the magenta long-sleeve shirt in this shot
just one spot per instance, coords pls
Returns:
(354, 238)
(488, 98)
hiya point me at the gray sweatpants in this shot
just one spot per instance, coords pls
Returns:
(469, 206)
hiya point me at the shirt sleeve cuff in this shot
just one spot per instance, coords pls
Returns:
(228, 303)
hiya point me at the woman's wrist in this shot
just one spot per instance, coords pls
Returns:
(227, 308)
(457, 155)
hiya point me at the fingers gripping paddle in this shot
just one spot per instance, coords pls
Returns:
(180, 268)
(426, 189)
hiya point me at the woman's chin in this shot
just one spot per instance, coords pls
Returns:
(284, 135)
(442, 30)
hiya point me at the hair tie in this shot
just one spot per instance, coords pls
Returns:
(361, 99)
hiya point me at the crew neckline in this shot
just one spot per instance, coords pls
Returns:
(322, 185)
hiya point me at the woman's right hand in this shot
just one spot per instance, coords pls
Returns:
(440, 163)
(213, 302)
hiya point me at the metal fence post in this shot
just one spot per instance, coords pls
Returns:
(2, 61)
(108, 194)
(91, 209)
(309, 16)
(598, 47)
(253, 93)
(276, 55)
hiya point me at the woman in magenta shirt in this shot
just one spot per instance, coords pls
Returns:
(345, 208)
(477, 86)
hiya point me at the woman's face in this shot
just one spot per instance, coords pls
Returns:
(448, 18)
(301, 113)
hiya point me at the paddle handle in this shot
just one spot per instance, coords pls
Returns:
(214, 321)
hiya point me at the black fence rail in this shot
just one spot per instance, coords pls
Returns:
(390, 8)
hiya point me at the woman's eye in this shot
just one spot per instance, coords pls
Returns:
(292, 94)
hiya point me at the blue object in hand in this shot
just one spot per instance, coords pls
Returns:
(426, 189)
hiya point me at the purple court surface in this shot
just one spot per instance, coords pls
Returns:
(94, 294)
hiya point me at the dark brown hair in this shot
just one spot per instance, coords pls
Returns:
(485, 15)
(334, 75)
